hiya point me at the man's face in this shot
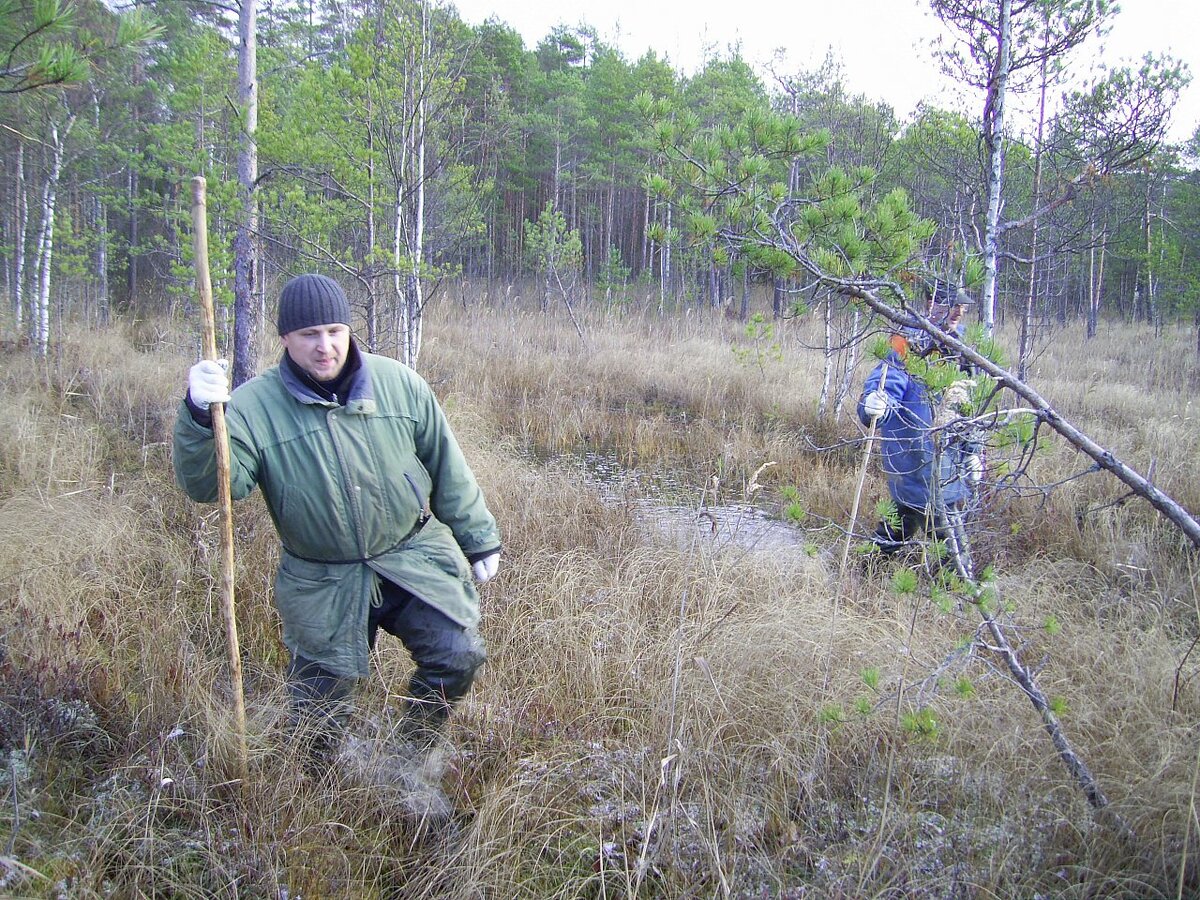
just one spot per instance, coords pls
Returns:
(946, 317)
(320, 350)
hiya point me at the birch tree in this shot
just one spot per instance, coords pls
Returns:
(1000, 45)
(57, 134)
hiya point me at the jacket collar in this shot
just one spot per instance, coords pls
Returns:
(355, 382)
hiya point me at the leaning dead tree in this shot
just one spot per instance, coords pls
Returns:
(732, 194)
(905, 316)
(1102, 457)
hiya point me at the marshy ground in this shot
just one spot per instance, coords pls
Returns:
(700, 708)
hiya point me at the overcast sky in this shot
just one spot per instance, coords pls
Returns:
(882, 44)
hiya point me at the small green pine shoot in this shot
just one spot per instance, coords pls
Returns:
(964, 688)
(870, 677)
(904, 582)
(922, 723)
(1058, 705)
(887, 511)
(862, 706)
(986, 346)
(984, 389)
(1052, 625)
(795, 512)
(948, 580)
(987, 600)
(832, 714)
(942, 600)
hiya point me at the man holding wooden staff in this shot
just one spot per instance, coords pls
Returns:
(381, 520)
(928, 482)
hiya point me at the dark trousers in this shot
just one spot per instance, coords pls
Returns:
(914, 523)
(446, 656)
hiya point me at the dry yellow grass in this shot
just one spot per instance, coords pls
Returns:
(663, 714)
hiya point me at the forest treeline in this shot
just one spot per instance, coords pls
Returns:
(394, 146)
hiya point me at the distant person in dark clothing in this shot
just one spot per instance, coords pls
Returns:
(924, 484)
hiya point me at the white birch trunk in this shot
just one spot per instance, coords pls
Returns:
(413, 296)
(1025, 347)
(851, 358)
(827, 367)
(412, 234)
(45, 252)
(22, 228)
(667, 258)
(996, 166)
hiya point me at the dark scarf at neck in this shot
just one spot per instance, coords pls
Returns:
(336, 390)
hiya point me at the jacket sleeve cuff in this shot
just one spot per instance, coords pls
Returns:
(475, 557)
(200, 416)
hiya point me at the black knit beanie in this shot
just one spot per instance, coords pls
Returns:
(309, 300)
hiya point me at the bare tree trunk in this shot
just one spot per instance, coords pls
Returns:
(103, 301)
(131, 234)
(372, 309)
(414, 296)
(849, 361)
(45, 244)
(1026, 342)
(827, 365)
(409, 290)
(1147, 275)
(665, 263)
(246, 324)
(646, 260)
(745, 311)
(22, 227)
(994, 131)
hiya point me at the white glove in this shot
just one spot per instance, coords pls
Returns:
(208, 383)
(486, 567)
(875, 404)
(973, 466)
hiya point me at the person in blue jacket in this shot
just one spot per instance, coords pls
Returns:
(903, 411)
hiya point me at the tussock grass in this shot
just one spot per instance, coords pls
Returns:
(664, 714)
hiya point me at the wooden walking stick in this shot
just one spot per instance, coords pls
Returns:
(221, 441)
(862, 477)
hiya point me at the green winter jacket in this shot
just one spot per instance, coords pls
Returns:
(377, 487)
